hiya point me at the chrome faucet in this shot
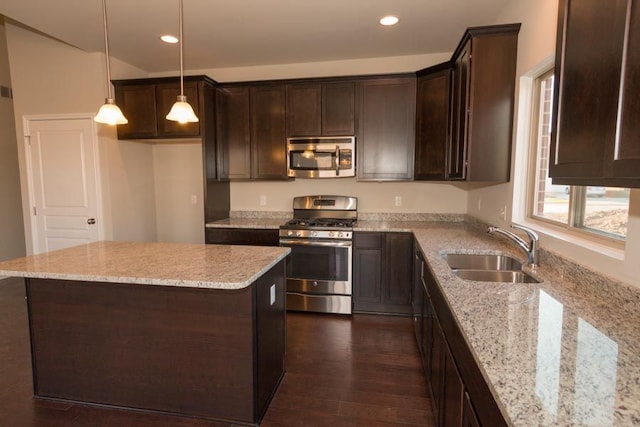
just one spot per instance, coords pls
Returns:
(530, 248)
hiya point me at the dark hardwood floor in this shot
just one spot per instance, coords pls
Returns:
(362, 370)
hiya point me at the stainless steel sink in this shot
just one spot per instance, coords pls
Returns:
(503, 276)
(488, 268)
(482, 262)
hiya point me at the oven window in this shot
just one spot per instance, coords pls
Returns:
(318, 263)
(312, 160)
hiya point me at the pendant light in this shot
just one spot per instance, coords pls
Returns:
(181, 111)
(109, 113)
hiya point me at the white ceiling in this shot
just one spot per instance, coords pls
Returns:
(234, 33)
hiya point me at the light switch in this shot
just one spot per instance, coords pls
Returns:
(273, 294)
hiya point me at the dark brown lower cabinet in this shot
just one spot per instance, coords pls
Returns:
(382, 272)
(469, 418)
(209, 353)
(242, 236)
(456, 383)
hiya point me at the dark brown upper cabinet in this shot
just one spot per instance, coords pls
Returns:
(596, 134)
(146, 102)
(483, 91)
(433, 124)
(385, 144)
(321, 109)
(465, 108)
(268, 138)
(234, 133)
(251, 132)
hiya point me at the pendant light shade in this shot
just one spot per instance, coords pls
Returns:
(181, 111)
(109, 113)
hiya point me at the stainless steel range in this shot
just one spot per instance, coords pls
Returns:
(319, 269)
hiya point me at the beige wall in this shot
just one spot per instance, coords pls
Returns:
(536, 46)
(52, 78)
(372, 196)
(179, 191)
(12, 243)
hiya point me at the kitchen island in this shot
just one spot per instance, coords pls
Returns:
(196, 330)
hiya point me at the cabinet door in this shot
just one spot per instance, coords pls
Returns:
(367, 271)
(268, 141)
(469, 418)
(138, 104)
(398, 273)
(623, 162)
(387, 129)
(457, 153)
(304, 111)
(338, 109)
(166, 96)
(417, 298)
(588, 66)
(234, 133)
(432, 125)
(438, 375)
(453, 392)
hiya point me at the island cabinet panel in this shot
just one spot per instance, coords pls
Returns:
(208, 353)
(432, 125)
(383, 272)
(242, 236)
(595, 138)
(456, 382)
(387, 111)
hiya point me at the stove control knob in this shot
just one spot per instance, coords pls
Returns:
(289, 233)
(298, 233)
(314, 234)
(331, 233)
(339, 234)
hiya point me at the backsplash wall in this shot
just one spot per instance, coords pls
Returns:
(414, 197)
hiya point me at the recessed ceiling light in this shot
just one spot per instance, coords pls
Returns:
(389, 20)
(167, 38)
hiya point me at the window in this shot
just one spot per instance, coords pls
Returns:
(601, 211)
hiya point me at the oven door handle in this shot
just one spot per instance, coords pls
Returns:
(294, 242)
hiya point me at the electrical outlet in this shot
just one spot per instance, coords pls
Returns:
(194, 199)
(263, 200)
(398, 200)
(479, 204)
(503, 213)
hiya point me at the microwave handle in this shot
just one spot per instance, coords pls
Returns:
(337, 160)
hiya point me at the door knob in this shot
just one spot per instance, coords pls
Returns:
(91, 221)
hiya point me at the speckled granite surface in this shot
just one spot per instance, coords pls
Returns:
(168, 264)
(563, 352)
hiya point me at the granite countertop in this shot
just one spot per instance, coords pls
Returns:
(563, 352)
(165, 264)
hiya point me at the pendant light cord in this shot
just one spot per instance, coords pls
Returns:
(106, 46)
(181, 60)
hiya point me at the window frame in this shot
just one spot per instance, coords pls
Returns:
(577, 194)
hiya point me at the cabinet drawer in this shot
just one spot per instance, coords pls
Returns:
(370, 240)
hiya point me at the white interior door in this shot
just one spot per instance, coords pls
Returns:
(63, 177)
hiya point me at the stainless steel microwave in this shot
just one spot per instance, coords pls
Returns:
(321, 157)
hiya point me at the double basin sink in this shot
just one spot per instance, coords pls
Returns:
(488, 268)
